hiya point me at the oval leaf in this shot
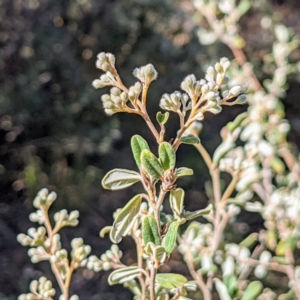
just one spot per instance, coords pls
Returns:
(190, 139)
(118, 179)
(162, 118)
(138, 144)
(151, 164)
(170, 238)
(170, 280)
(150, 231)
(123, 275)
(253, 290)
(167, 156)
(222, 290)
(183, 171)
(176, 201)
(125, 219)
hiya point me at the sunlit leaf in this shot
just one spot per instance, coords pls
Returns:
(123, 275)
(253, 290)
(162, 118)
(222, 290)
(190, 139)
(183, 171)
(150, 231)
(170, 280)
(167, 155)
(125, 219)
(151, 164)
(170, 238)
(118, 179)
(176, 201)
(138, 144)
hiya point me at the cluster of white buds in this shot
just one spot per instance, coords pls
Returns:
(174, 102)
(38, 216)
(115, 102)
(41, 289)
(197, 237)
(145, 74)
(44, 199)
(62, 218)
(79, 252)
(35, 237)
(106, 260)
(106, 62)
(239, 253)
(135, 91)
(60, 255)
(217, 74)
(192, 86)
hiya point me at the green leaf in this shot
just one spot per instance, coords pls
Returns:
(157, 252)
(189, 215)
(176, 201)
(162, 118)
(167, 156)
(123, 275)
(170, 238)
(190, 139)
(138, 144)
(183, 171)
(244, 6)
(253, 290)
(125, 219)
(118, 179)
(151, 164)
(231, 284)
(150, 231)
(170, 280)
(250, 240)
(222, 290)
(237, 122)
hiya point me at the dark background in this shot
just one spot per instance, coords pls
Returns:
(54, 134)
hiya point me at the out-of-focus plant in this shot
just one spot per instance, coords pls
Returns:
(254, 151)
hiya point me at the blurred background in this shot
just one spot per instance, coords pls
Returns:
(54, 134)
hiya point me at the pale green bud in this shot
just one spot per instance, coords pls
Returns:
(115, 91)
(98, 84)
(235, 91)
(34, 286)
(137, 88)
(131, 95)
(188, 82)
(219, 68)
(76, 243)
(111, 58)
(241, 99)
(104, 257)
(215, 110)
(225, 63)
(150, 72)
(204, 89)
(124, 97)
(106, 266)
